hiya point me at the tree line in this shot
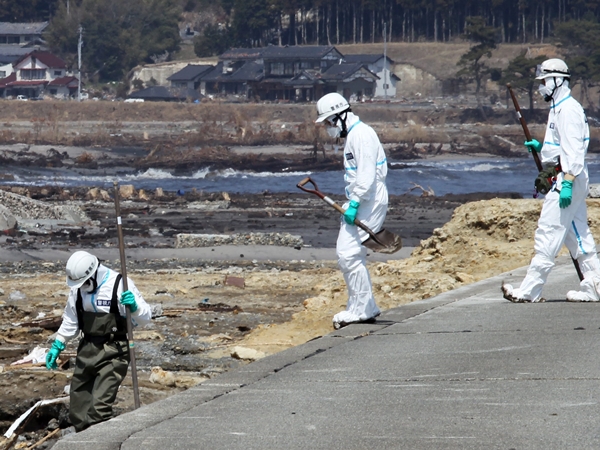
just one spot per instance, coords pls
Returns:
(332, 22)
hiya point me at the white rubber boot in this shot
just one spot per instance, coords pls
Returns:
(588, 292)
(514, 295)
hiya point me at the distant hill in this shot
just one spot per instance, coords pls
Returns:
(439, 59)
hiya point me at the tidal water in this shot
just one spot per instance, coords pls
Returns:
(452, 176)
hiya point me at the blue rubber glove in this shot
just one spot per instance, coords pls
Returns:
(533, 145)
(128, 299)
(350, 213)
(52, 355)
(566, 194)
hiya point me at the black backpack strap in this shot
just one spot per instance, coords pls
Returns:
(114, 302)
(79, 309)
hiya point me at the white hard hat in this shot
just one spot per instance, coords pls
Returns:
(330, 105)
(552, 68)
(80, 266)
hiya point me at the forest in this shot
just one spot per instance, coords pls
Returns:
(331, 22)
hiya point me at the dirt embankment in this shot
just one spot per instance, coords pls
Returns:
(483, 239)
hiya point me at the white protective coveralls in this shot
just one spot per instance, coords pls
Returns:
(365, 167)
(99, 302)
(567, 137)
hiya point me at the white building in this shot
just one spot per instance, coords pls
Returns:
(37, 74)
(383, 68)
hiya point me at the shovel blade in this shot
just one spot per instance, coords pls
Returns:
(384, 242)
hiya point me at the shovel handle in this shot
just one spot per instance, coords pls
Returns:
(536, 157)
(327, 200)
(310, 191)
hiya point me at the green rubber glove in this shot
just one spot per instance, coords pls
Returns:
(533, 145)
(350, 213)
(566, 194)
(52, 355)
(128, 299)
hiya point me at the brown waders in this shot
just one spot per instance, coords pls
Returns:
(101, 364)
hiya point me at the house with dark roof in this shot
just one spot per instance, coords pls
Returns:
(22, 33)
(190, 77)
(244, 80)
(39, 73)
(237, 78)
(19, 39)
(283, 64)
(350, 79)
(383, 68)
(295, 73)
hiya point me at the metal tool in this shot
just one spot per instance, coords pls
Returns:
(134, 380)
(382, 242)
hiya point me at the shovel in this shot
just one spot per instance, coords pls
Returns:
(382, 242)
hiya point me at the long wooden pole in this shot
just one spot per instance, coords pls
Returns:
(136, 393)
(536, 158)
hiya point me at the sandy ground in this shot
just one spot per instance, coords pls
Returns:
(288, 295)
(213, 299)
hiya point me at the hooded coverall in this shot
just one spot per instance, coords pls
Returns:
(103, 352)
(365, 167)
(567, 137)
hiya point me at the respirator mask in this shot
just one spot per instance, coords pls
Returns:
(336, 126)
(333, 130)
(547, 89)
(90, 285)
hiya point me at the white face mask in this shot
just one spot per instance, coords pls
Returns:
(546, 90)
(89, 286)
(333, 127)
(333, 132)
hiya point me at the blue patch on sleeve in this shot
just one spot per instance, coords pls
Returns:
(349, 156)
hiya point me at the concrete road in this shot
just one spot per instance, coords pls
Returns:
(463, 370)
(217, 253)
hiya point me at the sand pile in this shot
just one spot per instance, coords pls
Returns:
(483, 239)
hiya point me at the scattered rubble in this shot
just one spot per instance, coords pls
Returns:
(210, 240)
(26, 208)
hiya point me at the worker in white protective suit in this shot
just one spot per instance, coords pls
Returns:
(365, 167)
(563, 219)
(96, 308)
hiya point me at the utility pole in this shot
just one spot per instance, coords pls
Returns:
(384, 62)
(79, 44)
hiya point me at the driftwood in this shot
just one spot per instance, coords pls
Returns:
(52, 323)
(202, 308)
(424, 192)
(19, 425)
(44, 439)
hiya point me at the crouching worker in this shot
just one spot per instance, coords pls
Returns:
(96, 306)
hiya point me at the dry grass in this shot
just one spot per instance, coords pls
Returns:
(439, 59)
(106, 111)
(217, 123)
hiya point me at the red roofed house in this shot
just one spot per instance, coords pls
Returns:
(39, 73)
